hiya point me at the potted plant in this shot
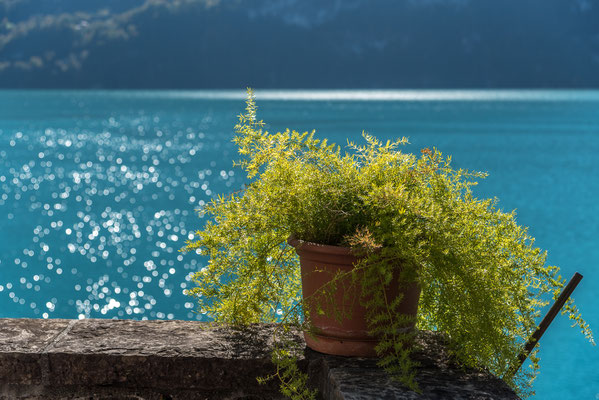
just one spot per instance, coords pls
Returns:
(410, 229)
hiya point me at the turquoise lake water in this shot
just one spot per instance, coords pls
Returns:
(98, 190)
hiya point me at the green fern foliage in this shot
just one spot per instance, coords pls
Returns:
(483, 281)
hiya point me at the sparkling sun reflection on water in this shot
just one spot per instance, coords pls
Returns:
(97, 209)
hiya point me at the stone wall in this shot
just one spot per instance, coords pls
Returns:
(124, 359)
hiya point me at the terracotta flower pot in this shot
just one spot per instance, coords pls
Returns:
(348, 337)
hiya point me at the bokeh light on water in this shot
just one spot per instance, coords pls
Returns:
(98, 198)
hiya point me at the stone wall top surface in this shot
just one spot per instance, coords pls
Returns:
(72, 359)
(29, 335)
(164, 339)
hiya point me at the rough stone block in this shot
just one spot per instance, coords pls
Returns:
(438, 376)
(22, 342)
(124, 359)
(178, 355)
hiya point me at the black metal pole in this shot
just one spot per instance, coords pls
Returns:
(553, 311)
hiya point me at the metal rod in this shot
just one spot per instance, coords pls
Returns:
(553, 311)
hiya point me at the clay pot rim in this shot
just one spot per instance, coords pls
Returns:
(319, 248)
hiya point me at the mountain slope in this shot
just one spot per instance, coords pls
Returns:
(298, 43)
